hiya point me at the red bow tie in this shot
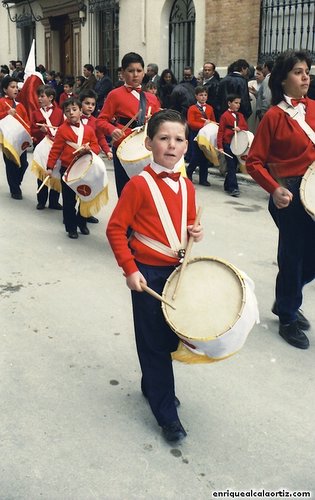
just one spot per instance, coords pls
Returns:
(48, 108)
(130, 89)
(295, 102)
(75, 124)
(172, 175)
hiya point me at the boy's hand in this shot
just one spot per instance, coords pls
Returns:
(109, 155)
(195, 232)
(221, 150)
(12, 112)
(282, 197)
(134, 281)
(236, 129)
(117, 134)
(49, 172)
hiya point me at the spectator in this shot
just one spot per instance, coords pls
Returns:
(263, 102)
(120, 81)
(77, 87)
(59, 87)
(103, 86)
(51, 80)
(253, 87)
(166, 85)
(152, 73)
(211, 82)
(235, 83)
(90, 79)
(188, 76)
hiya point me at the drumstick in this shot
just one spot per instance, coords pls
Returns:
(235, 133)
(130, 121)
(44, 125)
(146, 123)
(18, 116)
(156, 295)
(80, 148)
(43, 184)
(223, 152)
(187, 254)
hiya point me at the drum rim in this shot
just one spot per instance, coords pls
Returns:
(165, 307)
(309, 172)
(133, 134)
(72, 164)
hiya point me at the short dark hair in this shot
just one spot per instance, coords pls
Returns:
(283, 65)
(150, 85)
(240, 64)
(5, 82)
(212, 64)
(165, 115)
(48, 90)
(71, 101)
(86, 93)
(200, 89)
(131, 57)
(232, 97)
(69, 80)
(101, 69)
(269, 64)
(89, 67)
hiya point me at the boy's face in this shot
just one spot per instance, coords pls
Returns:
(133, 74)
(88, 106)
(168, 145)
(234, 105)
(202, 97)
(44, 100)
(67, 89)
(12, 90)
(73, 113)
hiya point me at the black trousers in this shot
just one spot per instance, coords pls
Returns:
(198, 159)
(42, 196)
(155, 341)
(230, 181)
(121, 178)
(296, 251)
(72, 218)
(14, 173)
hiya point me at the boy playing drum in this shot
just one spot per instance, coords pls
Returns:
(145, 265)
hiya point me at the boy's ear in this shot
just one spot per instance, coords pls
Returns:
(147, 143)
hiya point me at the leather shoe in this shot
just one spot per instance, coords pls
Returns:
(84, 230)
(294, 335)
(92, 220)
(40, 206)
(17, 196)
(56, 207)
(73, 235)
(174, 431)
(206, 183)
(302, 322)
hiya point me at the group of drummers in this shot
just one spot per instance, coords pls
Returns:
(279, 158)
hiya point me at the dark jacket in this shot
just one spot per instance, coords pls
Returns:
(182, 97)
(234, 83)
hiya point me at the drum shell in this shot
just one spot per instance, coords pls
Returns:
(40, 157)
(207, 142)
(86, 176)
(218, 345)
(132, 153)
(14, 138)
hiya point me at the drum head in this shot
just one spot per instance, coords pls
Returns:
(210, 299)
(239, 146)
(307, 191)
(79, 167)
(133, 148)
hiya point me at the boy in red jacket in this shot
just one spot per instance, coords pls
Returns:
(230, 122)
(199, 115)
(72, 134)
(143, 264)
(50, 115)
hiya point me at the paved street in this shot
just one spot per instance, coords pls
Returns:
(74, 425)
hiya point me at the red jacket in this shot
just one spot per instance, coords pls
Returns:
(56, 118)
(195, 117)
(226, 125)
(280, 148)
(136, 209)
(6, 103)
(121, 103)
(91, 121)
(60, 148)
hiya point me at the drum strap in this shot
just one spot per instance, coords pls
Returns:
(175, 245)
(142, 108)
(295, 115)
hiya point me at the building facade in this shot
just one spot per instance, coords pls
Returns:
(170, 33)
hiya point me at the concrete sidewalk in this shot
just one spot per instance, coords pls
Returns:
(74, 424)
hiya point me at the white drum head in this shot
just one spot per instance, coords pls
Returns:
(209, 301)
(307, 191)
(240, 144)
(79, 167)
(132, 148)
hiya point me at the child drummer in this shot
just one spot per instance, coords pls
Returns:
(50, 116)
(71, 135)
(136, 208)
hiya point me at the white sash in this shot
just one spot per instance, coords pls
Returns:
(79, 131)
(175, 244)
(45, 114)
(295, 115)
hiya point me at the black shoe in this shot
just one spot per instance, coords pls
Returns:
(302, 322)
(92, 220)
(84, 230)
(17, 196)
(235, 193)
(56, 207)
(294, 335)
(40, 206)
(174, 431)
(73, 235)
(206, 183)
